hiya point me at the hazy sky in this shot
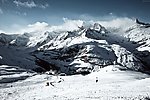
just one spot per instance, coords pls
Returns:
(15, 14)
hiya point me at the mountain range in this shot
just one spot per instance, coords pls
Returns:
(81, 51)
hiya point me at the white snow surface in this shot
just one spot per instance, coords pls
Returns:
(112, 84)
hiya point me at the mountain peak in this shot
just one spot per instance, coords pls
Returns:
(142, 23)
(97, 26)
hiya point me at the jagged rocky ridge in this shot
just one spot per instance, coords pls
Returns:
(80, 51)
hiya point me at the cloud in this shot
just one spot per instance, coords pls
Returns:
(25, 14)
(38, 26)
(41, 27)
(1, 11)
(1, 31)
(88, 17)
(122, 22)
(44, 6)
(30, 4)
(109, 21)
(21, 13)
(35, 28)
(70, 25)
(110, 13)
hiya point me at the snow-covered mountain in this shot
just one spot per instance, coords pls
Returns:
(139, 35)
(33, 39)
(84, 50)
(114, 57)
(89, 49)
(6, 39)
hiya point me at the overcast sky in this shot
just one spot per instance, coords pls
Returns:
(15, 14)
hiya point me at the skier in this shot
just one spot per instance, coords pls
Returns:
(47, 83)
(96, 79)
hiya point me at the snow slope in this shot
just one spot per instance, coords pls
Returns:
(9, 74)
(112, 85)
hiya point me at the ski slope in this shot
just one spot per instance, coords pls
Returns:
(112, 84)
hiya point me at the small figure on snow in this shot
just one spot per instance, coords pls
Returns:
(47, 83)
(96, 79)
(51, 83)
(60, 80)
